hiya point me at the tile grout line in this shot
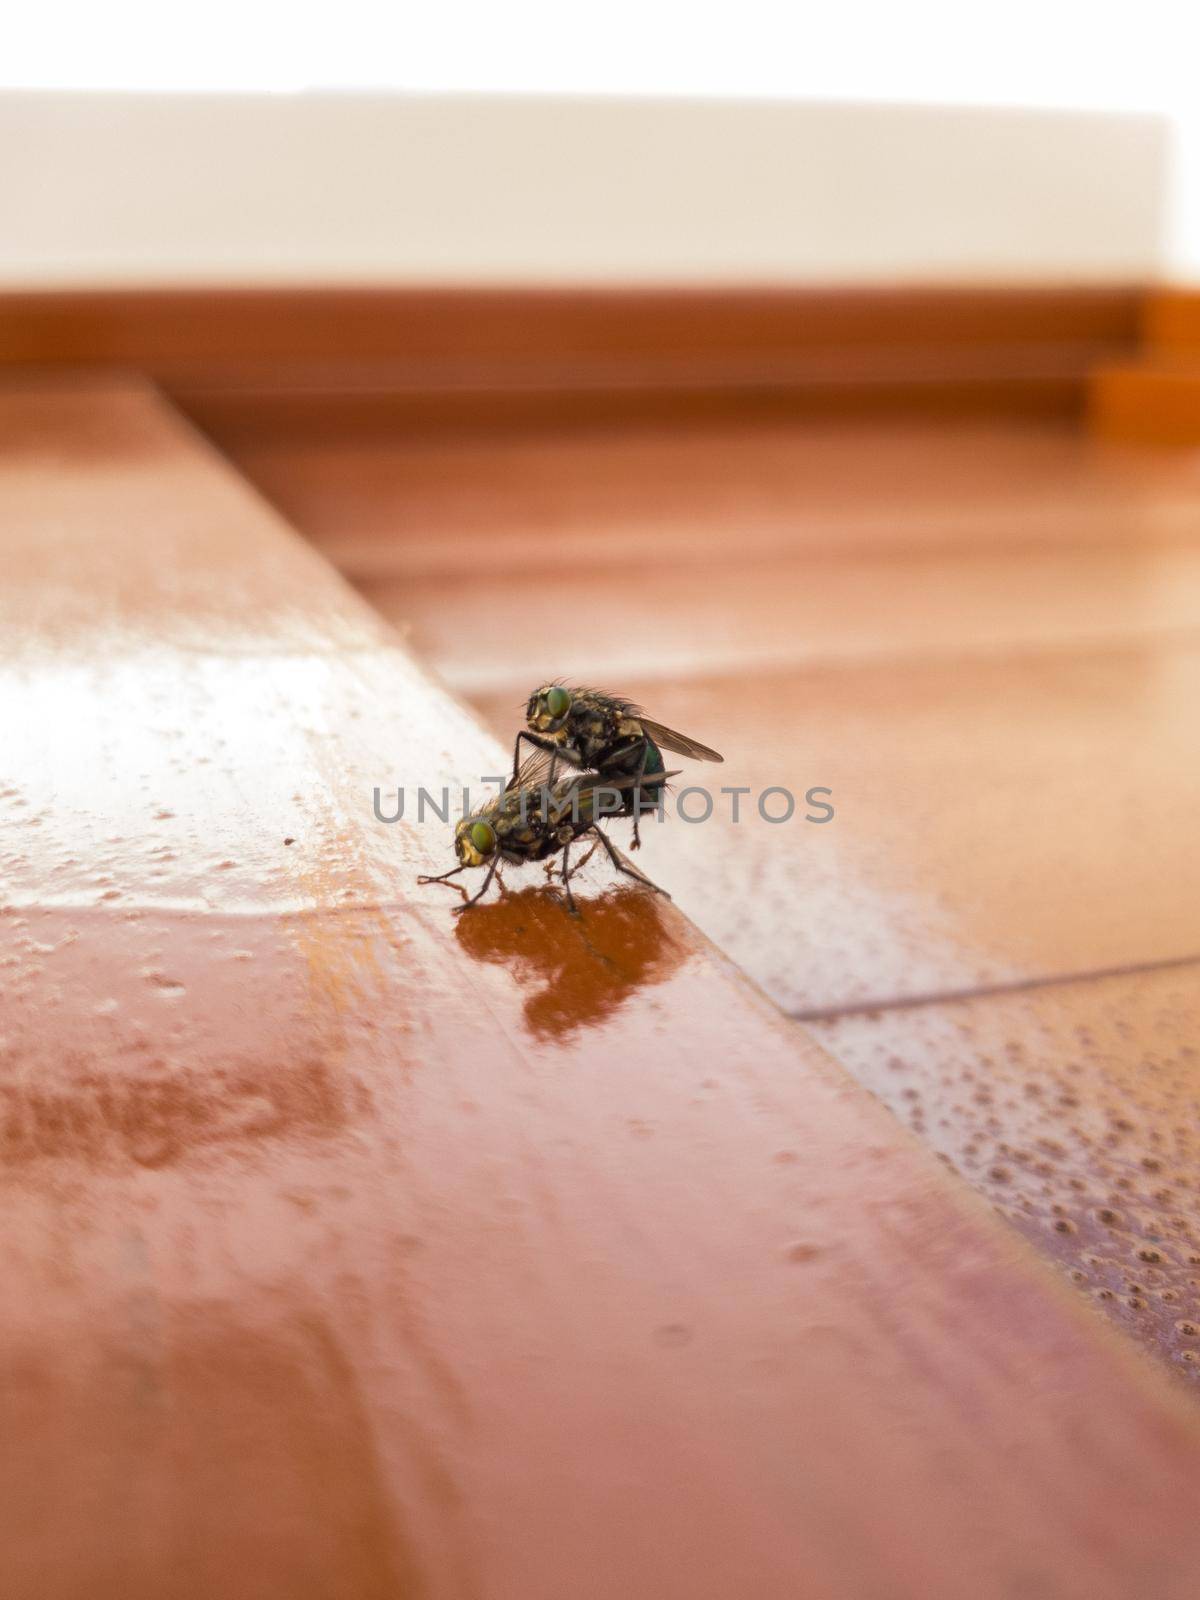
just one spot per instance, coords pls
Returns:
(984, 991)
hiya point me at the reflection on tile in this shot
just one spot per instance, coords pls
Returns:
(576, 971)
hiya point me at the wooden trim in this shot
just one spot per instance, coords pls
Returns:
(1153, 396)
(1172, 321)
(257, 358)
(1146, 402)
(224, 334)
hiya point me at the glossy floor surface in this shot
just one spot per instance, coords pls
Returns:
(985, 642)
(350, 1249)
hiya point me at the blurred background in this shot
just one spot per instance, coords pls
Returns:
(800, 144)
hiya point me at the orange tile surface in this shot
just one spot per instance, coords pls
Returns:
(536, 501)
(1075, 1110)
(984, 640)
(997, 820)
(668, 622)
(998, 701)
(352, 1250)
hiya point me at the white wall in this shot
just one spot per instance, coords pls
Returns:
(112, 188)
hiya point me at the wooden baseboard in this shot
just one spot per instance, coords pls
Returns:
(1171, 321)
(1147, 402)
(253, 360)
(1154, 397)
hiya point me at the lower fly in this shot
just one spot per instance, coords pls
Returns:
(534, 821)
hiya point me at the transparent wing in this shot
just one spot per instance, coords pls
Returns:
(578, 797)
(535, 769)
(531, 775)
(678, 743)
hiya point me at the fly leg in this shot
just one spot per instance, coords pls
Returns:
(491, 873)
(630, 872)
(636, 841)
(536, 742)
(635, 795)
(586, 859)
(444, 877)
(512, 782)
(550, 865)
(566, 879)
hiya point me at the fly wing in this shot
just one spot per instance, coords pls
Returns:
(577, 798)
(531, 777)
(678, 743)
(573, 796)
(534, 770)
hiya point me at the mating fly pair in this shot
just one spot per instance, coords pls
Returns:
(613, 757)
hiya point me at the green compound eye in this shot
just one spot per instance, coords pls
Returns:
(558, 702)
(483, 838)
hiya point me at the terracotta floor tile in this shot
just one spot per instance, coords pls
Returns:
(984, 641)
(672, 622)
(352, 1249)
(532, 501)
(1075, 1110)
(996, 820)
(999, 703)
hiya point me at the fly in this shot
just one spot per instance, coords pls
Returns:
(590, 730)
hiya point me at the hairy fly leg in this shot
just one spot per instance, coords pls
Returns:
(444, 877)
(630, 872)
(491, 873)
